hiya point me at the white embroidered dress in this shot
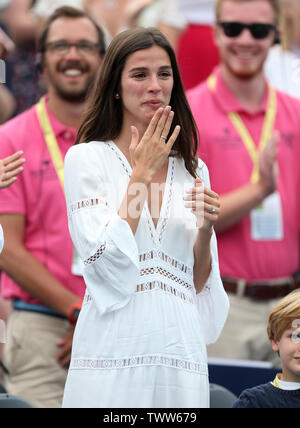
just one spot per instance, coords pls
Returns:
(140, 340)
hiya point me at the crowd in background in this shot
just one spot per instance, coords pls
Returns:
(182, 22)
(188, 25)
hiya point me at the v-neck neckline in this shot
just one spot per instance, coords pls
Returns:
(164, 209)
(156, 232)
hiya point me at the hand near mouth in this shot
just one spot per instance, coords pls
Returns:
(149, 153)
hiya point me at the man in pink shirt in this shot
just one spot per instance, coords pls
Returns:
(38, 254)
(10, 168)
(250, 141)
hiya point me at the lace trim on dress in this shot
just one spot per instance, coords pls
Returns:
(138, 361)
(184, 278)
(154, 285)
(153, 254)
(95, 256)
(165, 219)
(86, 203)
(158, 269)
(159, 285)
(119, 157)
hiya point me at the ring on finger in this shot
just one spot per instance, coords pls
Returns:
(164, 138)
(212, 210)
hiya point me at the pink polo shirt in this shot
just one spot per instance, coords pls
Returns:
(38, 195)
(230, 167)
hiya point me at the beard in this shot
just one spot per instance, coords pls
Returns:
(74, 95)
(246, 71)
(67, 92)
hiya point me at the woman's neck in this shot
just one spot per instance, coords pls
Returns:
(124, 138)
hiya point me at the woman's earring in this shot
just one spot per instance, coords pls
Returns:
(117, 96)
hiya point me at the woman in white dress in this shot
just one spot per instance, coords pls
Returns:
(154, 295)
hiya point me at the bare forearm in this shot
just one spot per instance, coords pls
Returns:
(148, 156)
(112, 19)
(237, 204)
(134, 200)
(32, 276)
(23, 24)
(202, 257)
(7, 103)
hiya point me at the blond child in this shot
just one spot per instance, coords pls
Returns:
(284, 334)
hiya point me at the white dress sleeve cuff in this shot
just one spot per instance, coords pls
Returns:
(112, 274)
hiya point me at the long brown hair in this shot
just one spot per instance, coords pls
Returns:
(104, 117)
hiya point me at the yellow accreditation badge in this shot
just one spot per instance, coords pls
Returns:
(58, 162)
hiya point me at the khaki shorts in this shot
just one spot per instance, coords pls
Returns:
(244, 336)
(29, 356)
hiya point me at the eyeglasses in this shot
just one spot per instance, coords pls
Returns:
(258, 31)
(62, 47)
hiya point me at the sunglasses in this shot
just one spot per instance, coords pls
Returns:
(258, 31)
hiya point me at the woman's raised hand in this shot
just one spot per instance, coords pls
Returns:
(10, 168)
(149, 153)
(204, 204)
(268, 168)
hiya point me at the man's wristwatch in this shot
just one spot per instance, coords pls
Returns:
(74, 312)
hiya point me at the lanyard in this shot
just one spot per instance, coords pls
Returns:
(267, 130)
(50, 139)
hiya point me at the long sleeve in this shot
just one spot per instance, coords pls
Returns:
(104, 242)
(212, 301)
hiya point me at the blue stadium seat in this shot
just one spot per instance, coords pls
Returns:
(8, 401)
(220, 397)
